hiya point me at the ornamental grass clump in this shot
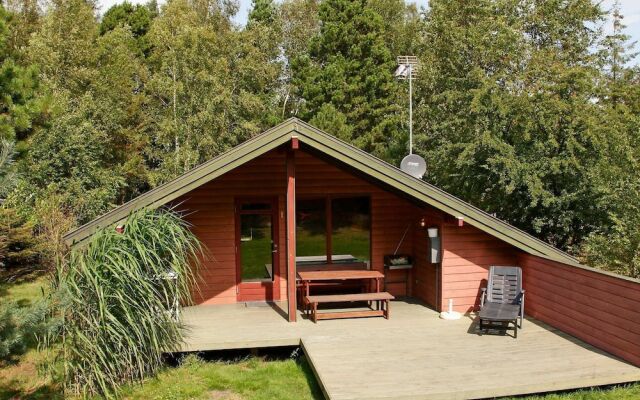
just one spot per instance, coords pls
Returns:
(119, 300)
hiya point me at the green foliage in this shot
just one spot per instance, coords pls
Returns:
(615, 245)
(401, 21)
(507, 118)
(24, 19)
(17, 243)
(331, 120)
(136, 17)
(22, 327)
(7, 173)
(210, 87)
(64, 47)
(350, 67)
(19, 89)
(117, 300)
(71, 158)
(616, 250)
(523, 108)
(89, 152)
(262, 12)
(299, 23)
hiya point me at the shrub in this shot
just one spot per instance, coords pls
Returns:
(17, 244)
(21, 327)
(116, 319)
(53, 221)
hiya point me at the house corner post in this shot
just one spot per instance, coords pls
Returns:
(291, 232)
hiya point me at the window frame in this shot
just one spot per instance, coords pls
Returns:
(328, 198)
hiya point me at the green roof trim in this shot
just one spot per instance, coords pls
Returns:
(341, 151)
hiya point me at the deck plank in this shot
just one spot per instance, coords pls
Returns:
(413, 355)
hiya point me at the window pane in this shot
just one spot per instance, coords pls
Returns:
(351, 223)
(256, 247)
(311, 235)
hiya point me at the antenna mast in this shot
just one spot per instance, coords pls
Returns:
(407, 69)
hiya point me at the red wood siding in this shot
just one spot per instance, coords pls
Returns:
(467, 255)
(390, 214)
(211, 209)
(425, 274)
(467, 252)
(212, 215)
(599, 309)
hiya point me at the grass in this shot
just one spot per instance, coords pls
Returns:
(621, 392)
(241, 379)
(251, 378)
(24, 293)
(25, 379)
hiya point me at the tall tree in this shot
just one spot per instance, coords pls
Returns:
(506, 113)
(263, 12)
(401, 21)
(137, 18)
(299, 19)
(350, 67)
(211, 87)
(25, 20)
(63, 47)
(20, 104)
(80, 158)
(615, 245)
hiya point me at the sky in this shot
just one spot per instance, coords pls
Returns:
(630, 10)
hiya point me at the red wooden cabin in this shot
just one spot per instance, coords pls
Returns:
(296, 197)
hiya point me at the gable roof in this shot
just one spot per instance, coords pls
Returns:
(341, 151)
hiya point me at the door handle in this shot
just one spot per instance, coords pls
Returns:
(274, 248)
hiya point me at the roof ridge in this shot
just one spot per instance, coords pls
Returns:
(279, 134)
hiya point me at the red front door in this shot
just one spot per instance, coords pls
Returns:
(257, 250)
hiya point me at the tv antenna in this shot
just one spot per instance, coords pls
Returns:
(412, 164)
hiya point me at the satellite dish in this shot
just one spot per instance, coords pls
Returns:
(414, 165)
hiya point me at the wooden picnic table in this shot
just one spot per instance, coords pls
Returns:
(306, 277)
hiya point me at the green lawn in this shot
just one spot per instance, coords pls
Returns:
(24, 292)
(251, 378)
(25, 379)
(240, 379)
(623, 392)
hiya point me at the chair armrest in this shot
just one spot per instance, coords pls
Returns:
(483, 296)
(521, 297)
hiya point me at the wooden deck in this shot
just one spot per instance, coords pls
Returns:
(414, 355)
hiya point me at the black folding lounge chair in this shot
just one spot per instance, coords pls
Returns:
(502, 301)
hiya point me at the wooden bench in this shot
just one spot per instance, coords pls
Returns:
(330, 285)
(380, 298)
